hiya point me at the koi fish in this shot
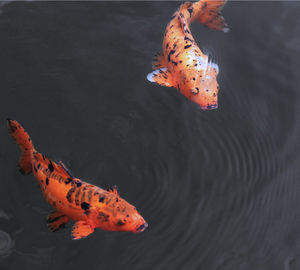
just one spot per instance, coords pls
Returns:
(182, 64)
(90, 206)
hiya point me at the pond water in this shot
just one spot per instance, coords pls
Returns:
(220, 189)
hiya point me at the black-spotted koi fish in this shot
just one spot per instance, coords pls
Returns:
(182, 64)
(90, 206)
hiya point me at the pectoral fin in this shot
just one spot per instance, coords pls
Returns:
(57, 221)
(161, 76)
(81, 229)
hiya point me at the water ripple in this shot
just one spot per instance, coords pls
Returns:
(6, 245)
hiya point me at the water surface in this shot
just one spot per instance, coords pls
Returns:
(220, 189)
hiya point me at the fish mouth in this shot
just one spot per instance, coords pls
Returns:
(142, 228)
(209, 107)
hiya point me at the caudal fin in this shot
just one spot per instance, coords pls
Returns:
(209, 14)
(23, 140)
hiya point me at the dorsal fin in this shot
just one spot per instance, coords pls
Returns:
(114, 189)
(62, 168)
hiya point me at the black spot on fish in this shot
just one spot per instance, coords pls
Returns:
(101, 198)
(167, 45)
(47, 181)
(190, 10)
(50, 166)
(35, 169)
(187, 46)
(171, 52)
(39, 165)
(70, 192)
(85, 206)
(103, 217)
(68, 181)
(44, 158)
(90, 193)
(120, 223)
(82, 196)
(194, 79)
(77, 196)
(78, 184)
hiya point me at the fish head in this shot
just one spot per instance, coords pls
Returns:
(118, 215)
(206, 88)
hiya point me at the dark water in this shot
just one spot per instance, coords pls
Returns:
(220, 189)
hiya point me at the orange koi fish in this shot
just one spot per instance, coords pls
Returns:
(90, 206)
(182, 64)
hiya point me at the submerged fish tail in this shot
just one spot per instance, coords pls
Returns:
(23, 140)
(208, 13)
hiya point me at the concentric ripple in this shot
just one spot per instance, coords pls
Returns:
(6, 245)
(219, 189)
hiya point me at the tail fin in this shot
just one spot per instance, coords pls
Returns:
(25, 143)
(209, 14)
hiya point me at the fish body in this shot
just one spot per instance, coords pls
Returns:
(182, 64)
(90, 206)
